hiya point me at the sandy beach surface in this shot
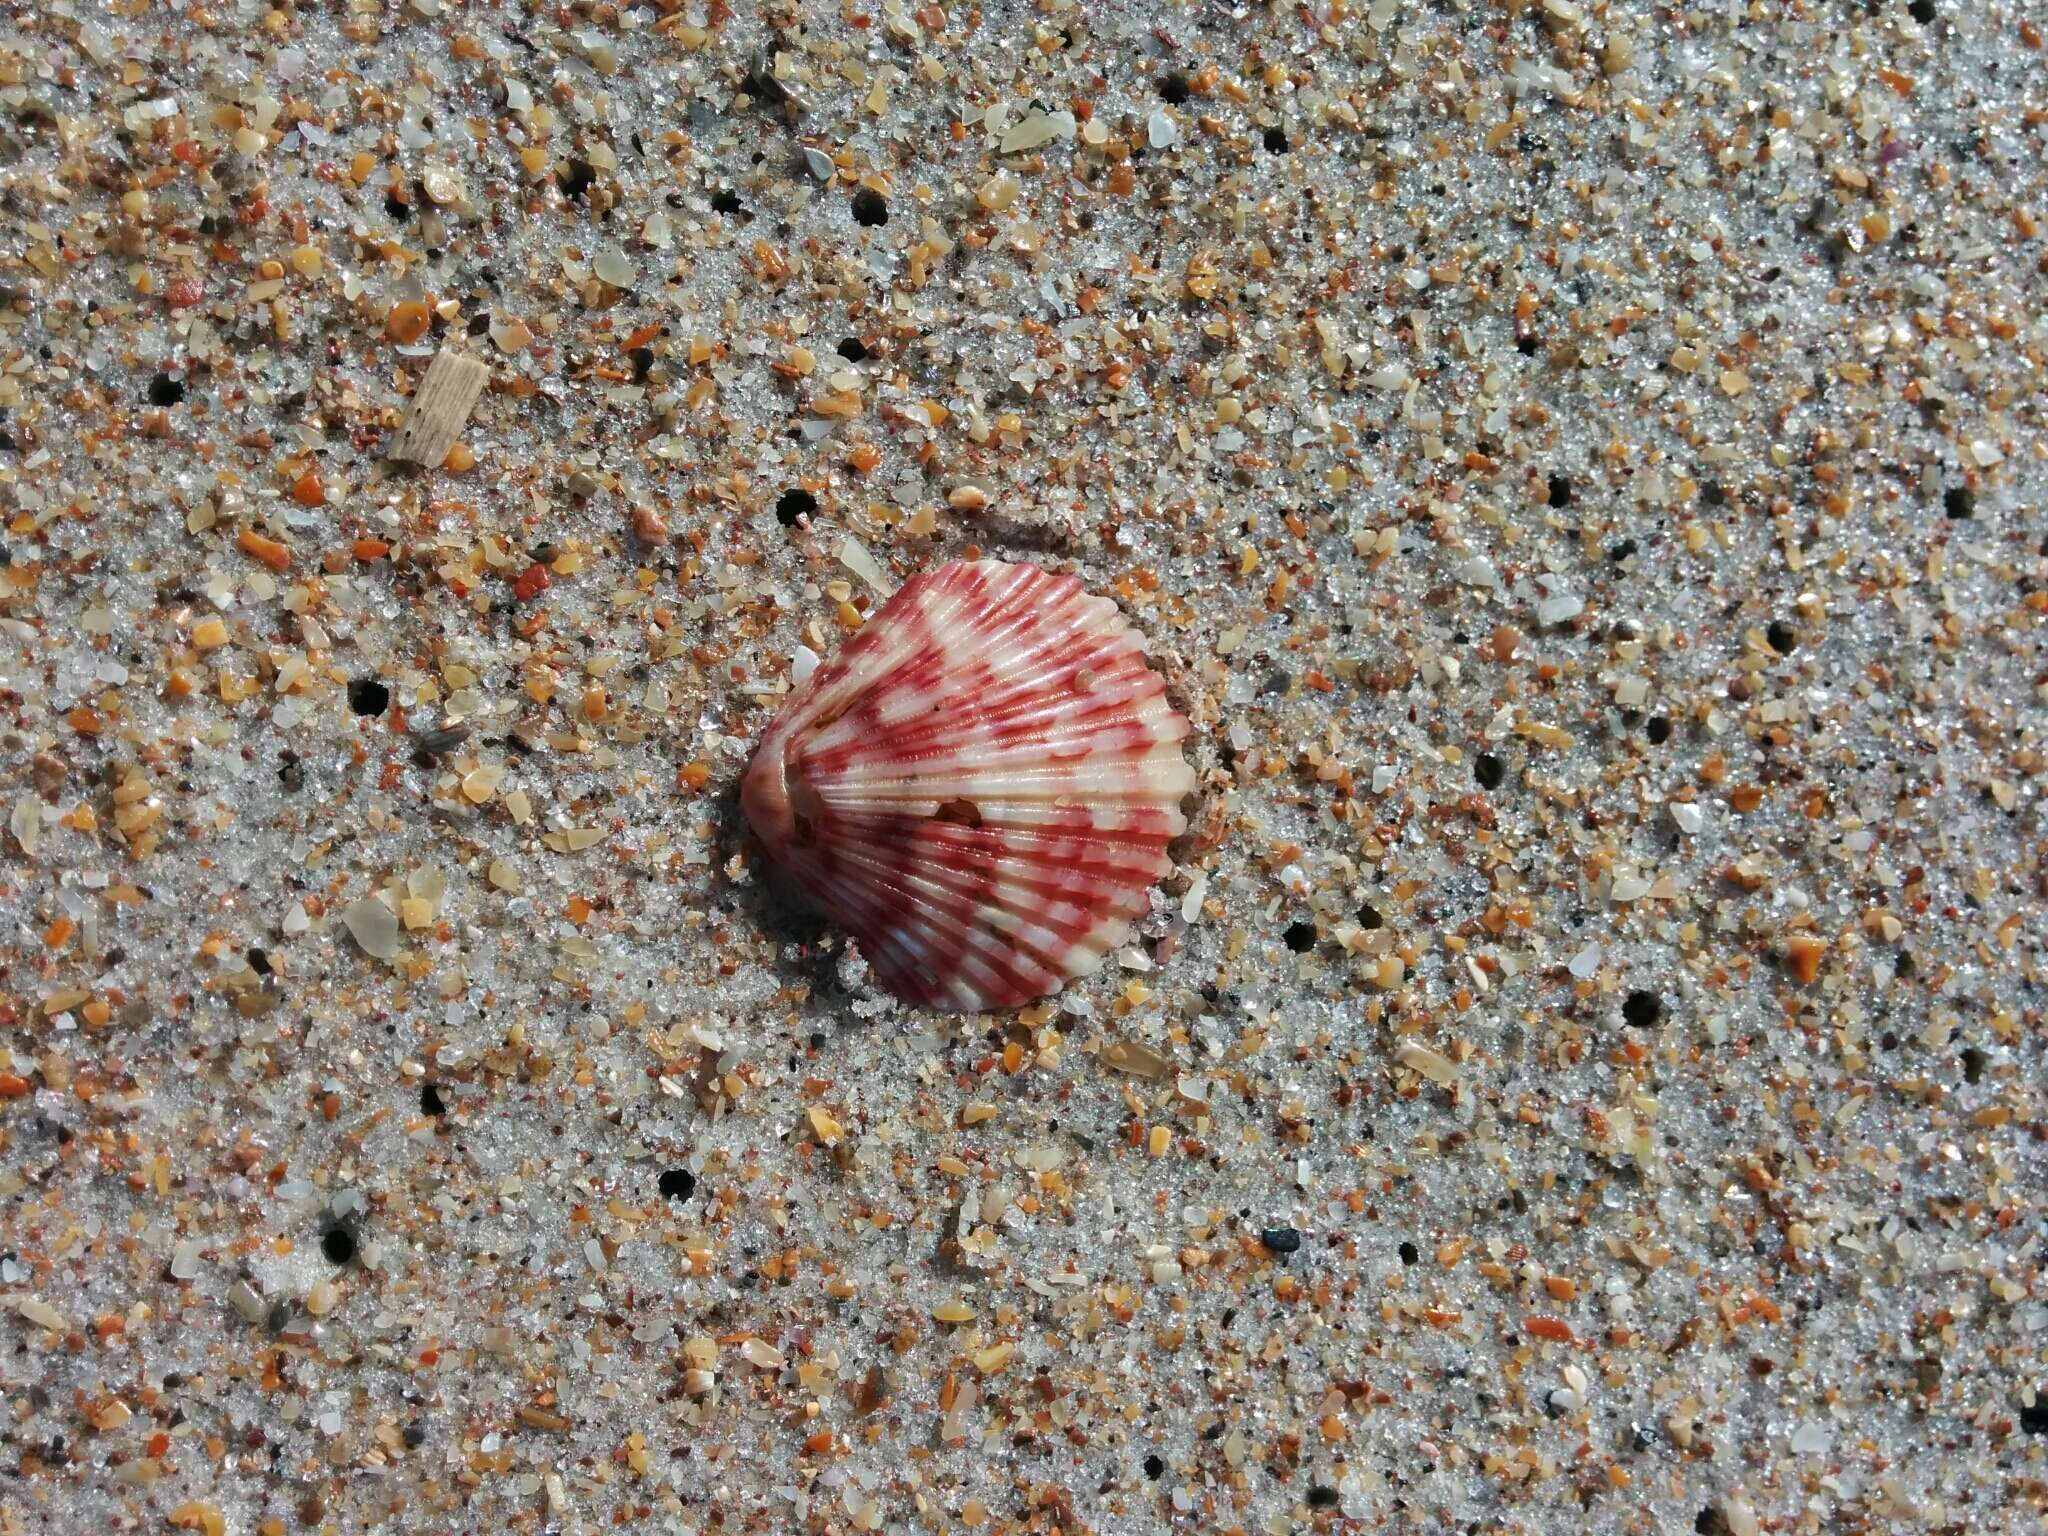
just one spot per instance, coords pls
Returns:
(1578, 465)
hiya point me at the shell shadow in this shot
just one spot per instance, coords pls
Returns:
(774, 906)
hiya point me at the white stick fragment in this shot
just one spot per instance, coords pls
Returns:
(1420, 1058)
(41, 1313)
(440, 408)
(855, 557)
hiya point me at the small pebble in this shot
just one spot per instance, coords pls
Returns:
(374, 926)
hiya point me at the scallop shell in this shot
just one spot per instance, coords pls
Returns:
(979, 787)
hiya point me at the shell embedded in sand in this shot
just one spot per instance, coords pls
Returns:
(979, 787)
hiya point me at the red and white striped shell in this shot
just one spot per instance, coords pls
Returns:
(979, 787)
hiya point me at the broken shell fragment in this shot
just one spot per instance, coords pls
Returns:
(979, 787)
